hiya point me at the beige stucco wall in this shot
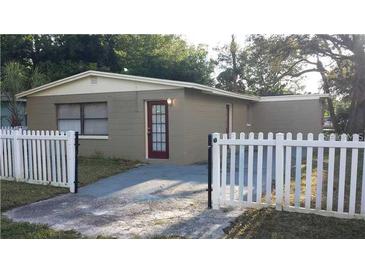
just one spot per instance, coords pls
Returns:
(287, 116)
(192, 117)
(126, 122)
(206, 114)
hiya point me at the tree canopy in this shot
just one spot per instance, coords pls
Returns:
(54, 57)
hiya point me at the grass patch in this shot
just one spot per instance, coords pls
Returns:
(268, 223)
(12, 230)
(15, 194)
(95, 168)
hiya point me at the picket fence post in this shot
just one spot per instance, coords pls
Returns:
(70, 146)
(279, 170)
(17, 155)
(216, 171)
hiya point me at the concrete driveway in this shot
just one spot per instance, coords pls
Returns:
(147, 201)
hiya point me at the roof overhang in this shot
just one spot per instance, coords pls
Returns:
(296, 97)
(172, 83)
(205, 89)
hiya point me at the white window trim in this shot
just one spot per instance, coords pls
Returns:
(94, 137)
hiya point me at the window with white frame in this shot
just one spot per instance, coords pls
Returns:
(86, 118)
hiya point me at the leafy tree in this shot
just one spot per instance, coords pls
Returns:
(16, 48)
(232, 60)
(37, 78)
(275, 64)
(164, 56)
(59, 56)
(14, 81)
(257, 68)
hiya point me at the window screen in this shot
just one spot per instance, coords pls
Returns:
(69, 117)
(95, 119)
(87, 119)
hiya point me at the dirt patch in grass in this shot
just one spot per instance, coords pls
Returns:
(269, 223)
(15, 194)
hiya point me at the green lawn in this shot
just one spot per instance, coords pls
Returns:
(269, 223)
(15, 194)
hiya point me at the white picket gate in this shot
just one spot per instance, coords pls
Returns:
(268, 172)
(40, 157)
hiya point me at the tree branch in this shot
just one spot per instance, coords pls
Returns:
(303, 72)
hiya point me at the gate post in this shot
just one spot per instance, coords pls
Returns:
(279, 170)
(76, 161)
(209, 171)
(71, 160)
(216, 170)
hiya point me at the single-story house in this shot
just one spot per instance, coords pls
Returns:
(158, 120)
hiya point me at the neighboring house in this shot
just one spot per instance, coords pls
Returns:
(5, 113)
(159, 120)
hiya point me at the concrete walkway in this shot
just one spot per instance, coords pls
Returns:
(147, 201)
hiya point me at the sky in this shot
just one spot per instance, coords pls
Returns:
(213, 39)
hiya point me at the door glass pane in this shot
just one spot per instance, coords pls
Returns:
(158, 127)
(65, 125)
(96, 127)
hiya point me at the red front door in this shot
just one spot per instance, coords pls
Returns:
(158, 129)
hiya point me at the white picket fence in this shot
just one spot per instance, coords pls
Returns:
(40, 157)
(258, 172)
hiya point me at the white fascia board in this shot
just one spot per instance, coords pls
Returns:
(203, 88)
(293, 97)
(138, 79)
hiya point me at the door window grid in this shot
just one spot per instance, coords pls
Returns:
(158, 128)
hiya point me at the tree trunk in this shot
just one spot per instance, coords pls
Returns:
(326, 90)
(357, 110)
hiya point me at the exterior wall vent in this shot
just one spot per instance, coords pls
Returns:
(94, 80)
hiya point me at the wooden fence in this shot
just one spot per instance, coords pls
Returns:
(323, 176)
(40, 157)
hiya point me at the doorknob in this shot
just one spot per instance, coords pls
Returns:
(149, 131)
